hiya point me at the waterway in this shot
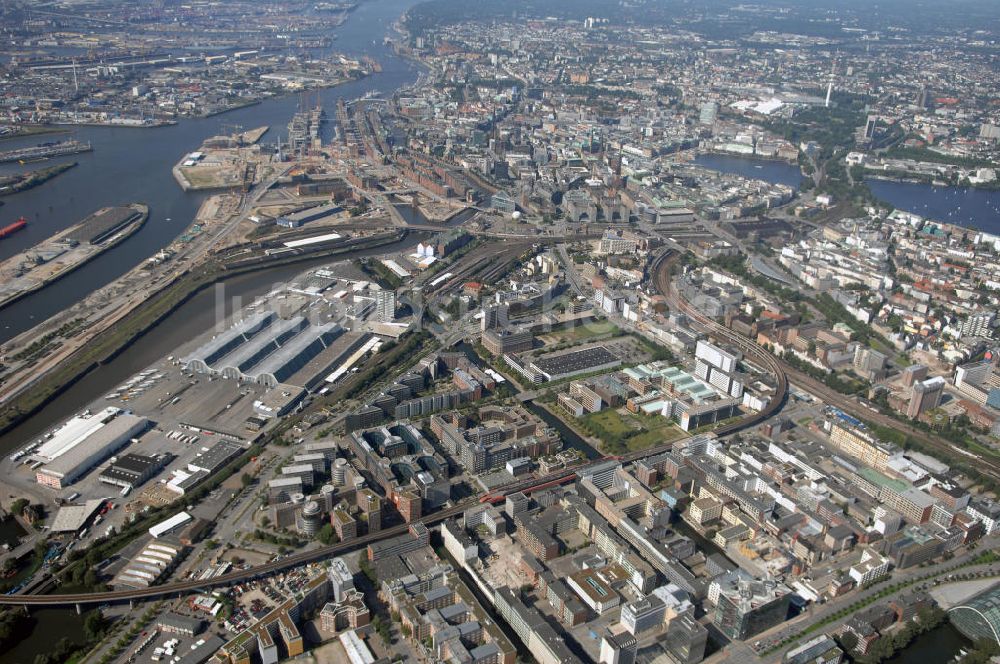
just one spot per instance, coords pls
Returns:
(778, 172)
(11, 532)
(569, 437)
(130, 164)
(194, 317)
(941, 644)
(965, 206)
(53, 625)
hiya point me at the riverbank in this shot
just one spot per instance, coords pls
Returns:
(755, 168)
(122, 332)
(977, 208)
(964, 206)
(23, 131)
(25, 181)
(66, 259)
(136, 165)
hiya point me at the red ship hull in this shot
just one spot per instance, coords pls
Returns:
(10, 229)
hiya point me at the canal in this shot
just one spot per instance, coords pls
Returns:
(570, 438)
(941, 644)
(193, 318)
(130, 164)
(49, 624)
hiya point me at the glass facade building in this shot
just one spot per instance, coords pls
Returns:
(979, 618)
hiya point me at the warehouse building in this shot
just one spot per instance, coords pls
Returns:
(152, 562)
(272, 351)
(133, 470)
(74, 451)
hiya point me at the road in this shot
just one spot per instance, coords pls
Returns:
(819, 612)
(786, 372)
(181, 587)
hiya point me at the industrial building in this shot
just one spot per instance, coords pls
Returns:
(296, 219)
(270, 351)
(84, 442)
(133, 470)
(155, 559)
(169, 525)
(574, 363)
(103, 224)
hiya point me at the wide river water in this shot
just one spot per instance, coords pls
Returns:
(135, 165)
(130, 164)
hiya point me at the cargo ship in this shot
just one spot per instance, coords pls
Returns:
(10, 229)
(54, 258)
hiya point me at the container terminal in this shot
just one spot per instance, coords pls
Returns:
(67, 250)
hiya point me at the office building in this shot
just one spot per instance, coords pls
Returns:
(979, 617)
(926, 396)
(686, 639)
(643, 614)
(502, 341)
(618, 647)
(385, 305)
(747, 606)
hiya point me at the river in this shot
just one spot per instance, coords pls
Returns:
(134, 165)
(965, 206)
(130, 164)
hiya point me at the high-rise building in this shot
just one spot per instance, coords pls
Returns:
(686, 639)
(870, 125)
(618, 647)
(385, 305)
(494, 317)
(643, 614)
(748, 606)
(869, 361)
(978, 325)
(926, 396)
(708, 112)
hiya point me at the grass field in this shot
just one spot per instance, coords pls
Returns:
(580, 333)
(624, 432)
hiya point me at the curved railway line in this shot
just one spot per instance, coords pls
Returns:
(783, 371)
(179, 588)
(660, 270)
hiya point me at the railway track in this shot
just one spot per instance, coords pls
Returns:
(784, 372)
(180, 588)
(660, 270)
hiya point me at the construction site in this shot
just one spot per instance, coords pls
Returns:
(230, 161)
